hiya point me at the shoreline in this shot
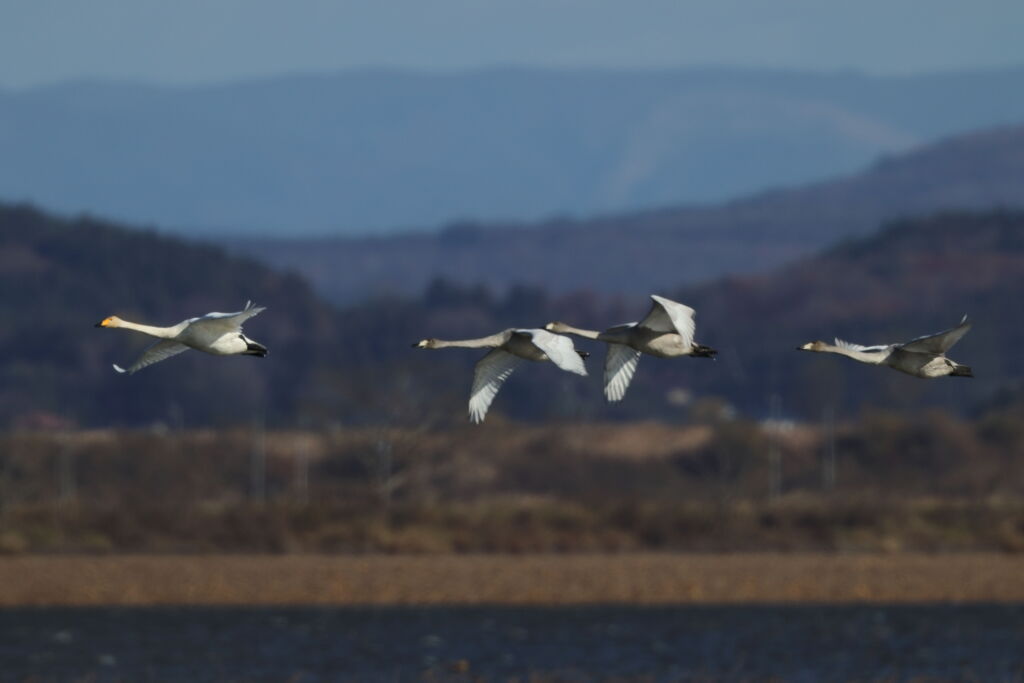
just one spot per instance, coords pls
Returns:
(648, 579)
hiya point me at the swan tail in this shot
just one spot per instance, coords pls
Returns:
(701, 351)
(255, 349)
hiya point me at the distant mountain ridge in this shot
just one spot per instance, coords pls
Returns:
(653, 250)
(370, 150)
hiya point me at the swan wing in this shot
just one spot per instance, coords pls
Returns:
(938, 343)
(231, 320)
(850, 346)
(491, 372)
(162, 350)
(670, 316)
(558, 348)
(619, 368)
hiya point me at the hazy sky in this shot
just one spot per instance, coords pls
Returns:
(188, 41)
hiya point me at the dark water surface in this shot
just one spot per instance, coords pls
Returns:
(973, 642)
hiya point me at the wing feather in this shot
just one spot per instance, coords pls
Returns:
(619, 368)
(490, 373)
(938, 343)
(559, 349)
(162, 350)
(234, 319)
(850, 346)
(670, 316)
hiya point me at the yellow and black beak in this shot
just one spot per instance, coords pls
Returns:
(104, 323)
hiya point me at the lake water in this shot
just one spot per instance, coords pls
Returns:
(973, 642)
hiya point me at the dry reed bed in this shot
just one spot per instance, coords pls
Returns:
(646, 579)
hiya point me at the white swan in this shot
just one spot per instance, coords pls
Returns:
(510, 348)
(666, 332)
(216, 333)
(923, 357)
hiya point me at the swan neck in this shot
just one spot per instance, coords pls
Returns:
(569, 329)
(161, 332)
(875, 358)
(479, 343)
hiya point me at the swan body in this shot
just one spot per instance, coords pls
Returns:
(508, 349)
(924, 357)
(666, 331)
(216, 333)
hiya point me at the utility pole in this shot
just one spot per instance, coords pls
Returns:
(775, 447)
(258, 462)
(828, 469)
(383, 467)
(302, 472)
(67, 490)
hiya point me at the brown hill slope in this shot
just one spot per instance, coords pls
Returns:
(637, 253)
(914, 278)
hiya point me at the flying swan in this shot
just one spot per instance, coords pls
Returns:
(216, 333)
(666, 332)
(508, 349)
(923, 357)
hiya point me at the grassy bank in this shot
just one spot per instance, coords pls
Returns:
(645, 579)
(933, 484)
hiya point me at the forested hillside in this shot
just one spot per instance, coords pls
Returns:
(355, 365)
(914, 277)
(654, 250)
(60, 277)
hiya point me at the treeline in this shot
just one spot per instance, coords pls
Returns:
(355, 366)
(933, 482)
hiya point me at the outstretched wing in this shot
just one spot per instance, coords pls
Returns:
(491, 372)
(162, 350)
(619, 368)
(670, 316)
(233, 319)
(850, 346)
(938, 343)
(558, 348)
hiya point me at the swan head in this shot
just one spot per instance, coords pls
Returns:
(112, 321)
(556, 327)
(812, 346)
(426, 344)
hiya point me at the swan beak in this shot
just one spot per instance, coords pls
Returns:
(103, 323)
